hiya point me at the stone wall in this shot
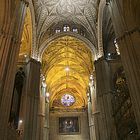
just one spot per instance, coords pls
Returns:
(54, 126)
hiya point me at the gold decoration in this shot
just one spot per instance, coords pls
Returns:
(67, 64)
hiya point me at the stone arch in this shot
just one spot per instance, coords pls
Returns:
(106, 32)
(30, 33)
(26, 39)
(34, 48)
(86, 41)
(100, 21)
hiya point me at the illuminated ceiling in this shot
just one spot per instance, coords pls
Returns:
(51, 12)
(26, 41)
(67, 64)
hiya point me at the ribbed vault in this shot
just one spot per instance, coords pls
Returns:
(51, 12)
(67, 64)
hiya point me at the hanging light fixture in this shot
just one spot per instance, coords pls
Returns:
(67, 68)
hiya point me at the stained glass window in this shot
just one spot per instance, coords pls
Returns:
(66, 28)
(57, 31)
(75, 30)
(67, 100)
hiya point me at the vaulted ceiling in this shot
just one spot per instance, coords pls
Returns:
(67, 64)
(50, 12)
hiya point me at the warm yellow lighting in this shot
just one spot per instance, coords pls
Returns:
(91, 77)
(67, 69)
(47, 94)
(20, 121)
(25, 55)
(67, 63)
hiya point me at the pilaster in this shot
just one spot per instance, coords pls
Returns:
(32, 101)
(46, 124)
(105, 119)
(130, 54)
(128, 39)
(91, 122)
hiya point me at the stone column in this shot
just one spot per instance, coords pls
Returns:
(46, 124)
(41, 117)
(91, 122)
(127, 29)
(31, 127)
(105, 118)
(10, 36)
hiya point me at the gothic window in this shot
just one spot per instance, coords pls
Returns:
(75, 30)
(82, 32)
(16, 98)
(57, 30)
(66, 28)
(67, 100)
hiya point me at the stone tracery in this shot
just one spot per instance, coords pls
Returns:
(50, 12)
